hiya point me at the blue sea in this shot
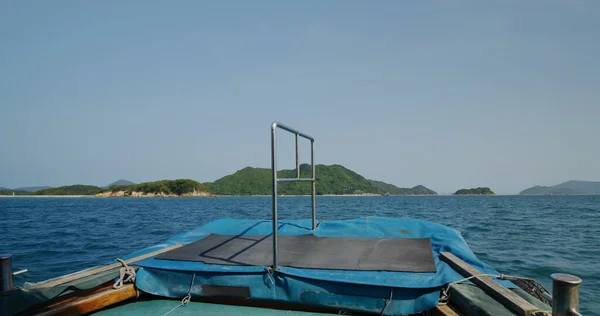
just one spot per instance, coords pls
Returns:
(531, 236)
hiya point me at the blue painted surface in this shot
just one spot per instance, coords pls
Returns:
(367, 291)
(161, 307)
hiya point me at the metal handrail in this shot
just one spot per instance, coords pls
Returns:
(298, 134)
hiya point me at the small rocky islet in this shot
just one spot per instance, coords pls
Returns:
(475, 191)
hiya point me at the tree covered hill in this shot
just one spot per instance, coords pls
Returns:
(21, 190)
(120, 182)
(5, 191)
(331, 179)
(168, 187)
(475, 191)
(78, 189)
(32, 189)
(390, 189)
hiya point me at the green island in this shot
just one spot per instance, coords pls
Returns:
(179, 187)
(5, 191)
(331, 180)
(77, 189)
(475, 191)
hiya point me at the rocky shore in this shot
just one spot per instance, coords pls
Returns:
(123, 193)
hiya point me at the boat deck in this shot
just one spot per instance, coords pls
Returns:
(310, 251)
(366, 290)
(162, 307)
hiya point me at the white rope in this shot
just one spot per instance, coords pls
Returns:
(186, 299)
(174, 308)
(388, 302)
(270, 274)
(126, 275)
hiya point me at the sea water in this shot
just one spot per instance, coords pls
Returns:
(531, 236)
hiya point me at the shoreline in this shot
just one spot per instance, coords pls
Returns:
(46, 196)
(222, 196)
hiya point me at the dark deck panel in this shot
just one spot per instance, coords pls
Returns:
(309, 251)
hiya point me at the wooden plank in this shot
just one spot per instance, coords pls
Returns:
(88, 272)
(503, 295)
(444, 310)
(88, 302)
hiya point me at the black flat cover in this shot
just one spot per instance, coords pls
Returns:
(309, 251)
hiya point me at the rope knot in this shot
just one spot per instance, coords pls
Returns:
(126, 275)
(186, 300)
(270, 272)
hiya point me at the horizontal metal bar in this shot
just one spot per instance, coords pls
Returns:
(295, 180)
(20, 272)
(291, 130)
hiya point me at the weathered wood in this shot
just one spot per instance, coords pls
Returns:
(86, 273)
(503, 295)
(444, 310)
(81, 303)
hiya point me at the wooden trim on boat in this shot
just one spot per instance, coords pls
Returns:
(444, 310)
(503, 295)
(86, 273)
(84, 302)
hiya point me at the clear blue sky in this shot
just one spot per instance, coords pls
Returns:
(448, 94)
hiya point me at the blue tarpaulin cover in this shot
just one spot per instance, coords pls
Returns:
(365, 291)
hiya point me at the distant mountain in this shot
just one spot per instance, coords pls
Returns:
(565, 188)
(31, 189)
(120, 182)
(390, 189)
(21, 191)
(331, 179)
(421, 190)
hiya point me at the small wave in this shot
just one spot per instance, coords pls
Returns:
(534, 237)
(477, 229)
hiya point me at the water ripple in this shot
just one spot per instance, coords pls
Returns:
(529, 236)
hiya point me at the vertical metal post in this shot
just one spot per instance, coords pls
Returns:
(6, 274)
(297, 159)
(298, 134)
(274, 175)
(314, 188)
(565, 294)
